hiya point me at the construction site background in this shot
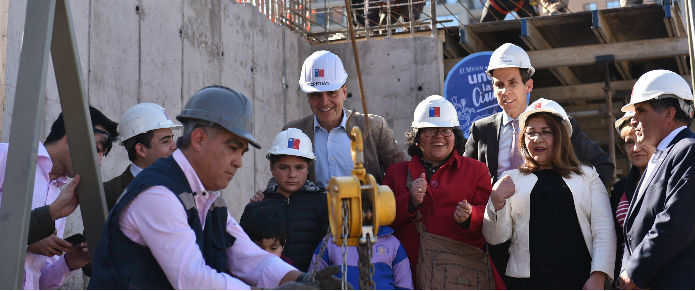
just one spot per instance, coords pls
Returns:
(134, 51)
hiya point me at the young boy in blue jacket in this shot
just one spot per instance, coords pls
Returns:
(391, 264)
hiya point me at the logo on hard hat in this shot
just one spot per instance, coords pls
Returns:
(319, 83)
(318, 73)
(165, 114)
(434, 111)
(506, 59)
(538, 106)
(293, 143)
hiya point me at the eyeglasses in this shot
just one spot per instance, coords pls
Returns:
(535, 134)
(107, 144)
(431, 131)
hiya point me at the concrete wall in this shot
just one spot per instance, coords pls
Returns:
(134, 51)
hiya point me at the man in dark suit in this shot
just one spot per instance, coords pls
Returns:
(147, 136)
(493, 139)
(660, 235)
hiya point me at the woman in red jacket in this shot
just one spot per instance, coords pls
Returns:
(438, 187)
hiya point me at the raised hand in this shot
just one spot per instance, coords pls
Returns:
(258, 196)
(66, 201)
(418, 189)
(463, 211)
(503, 189)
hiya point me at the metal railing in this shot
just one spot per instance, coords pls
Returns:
(327, 20)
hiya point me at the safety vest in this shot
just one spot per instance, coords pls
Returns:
(120, 263)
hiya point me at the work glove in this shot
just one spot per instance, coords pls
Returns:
(323, 279)
(295, 286)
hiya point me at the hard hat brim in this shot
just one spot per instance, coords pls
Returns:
(307, 88)
(425, 124)
(124, 138)
(295, 153)
(628, 107)
(620, 122)
(192, 114)
(531, 70)
(523, 117)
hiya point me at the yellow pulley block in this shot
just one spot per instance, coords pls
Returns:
(367, 205)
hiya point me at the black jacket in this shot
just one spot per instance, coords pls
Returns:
(305, 217)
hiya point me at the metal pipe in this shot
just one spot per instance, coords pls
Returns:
(690, 13)
(78, 125)
(359, 73)
(609, 104)
(433, 13)
(27, 118)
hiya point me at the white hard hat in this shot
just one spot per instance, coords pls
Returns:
(509, 56)
(549, 106)
(626, 117)
(322, 71)
(142, 118)
(291, 142)
(435, 111)
(654, 84)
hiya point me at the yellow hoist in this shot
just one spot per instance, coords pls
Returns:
(357, 207)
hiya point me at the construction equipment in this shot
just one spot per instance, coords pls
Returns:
(357, 206)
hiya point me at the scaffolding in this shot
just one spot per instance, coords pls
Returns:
(327, 20)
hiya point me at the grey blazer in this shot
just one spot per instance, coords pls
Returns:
(660, 224)
(483, 145)
(380, 148)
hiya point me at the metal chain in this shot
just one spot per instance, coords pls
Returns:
(324, 243)
(365, 265)
(344, 236)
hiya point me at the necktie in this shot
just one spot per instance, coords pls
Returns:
(515, 158)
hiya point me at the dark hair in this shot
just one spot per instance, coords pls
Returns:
(98, 119)
(275, 158)
(412, 138)
(525, 75)
(564, 161)
(264, 221)
(661, 104)
(144, 138)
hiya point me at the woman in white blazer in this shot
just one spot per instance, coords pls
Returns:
(555, 210)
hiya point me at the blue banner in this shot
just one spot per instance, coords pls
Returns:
(469, 88)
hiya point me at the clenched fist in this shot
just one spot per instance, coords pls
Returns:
(418, 189)
(463, 211)
(503, 189)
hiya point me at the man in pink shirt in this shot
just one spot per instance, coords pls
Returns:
(51, 260)
(171, 227)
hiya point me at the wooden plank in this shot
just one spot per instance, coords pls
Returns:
(470, 41)
(675, 28)
(583, 91)
(623, 51)
(535, 40)
(605, 35)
